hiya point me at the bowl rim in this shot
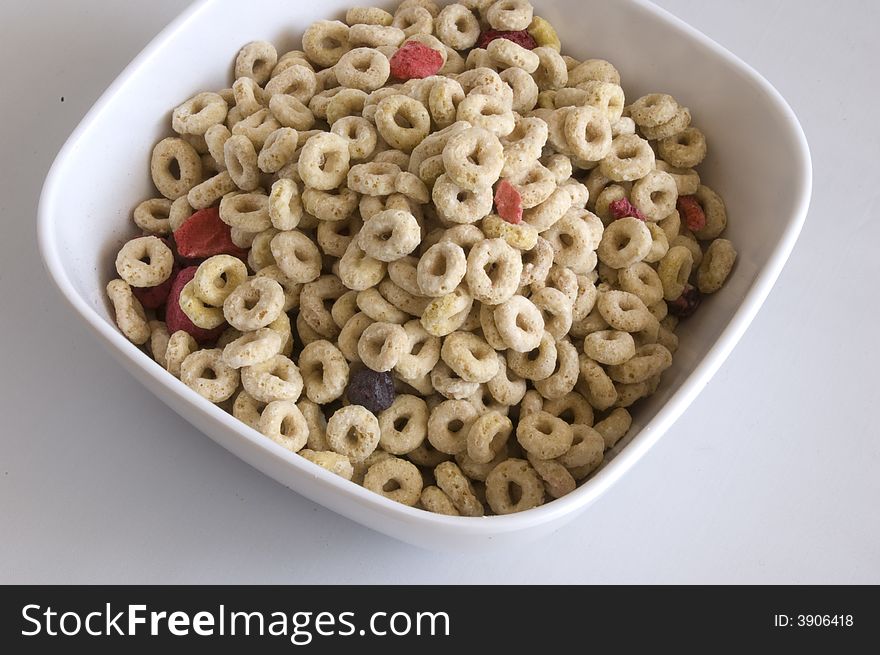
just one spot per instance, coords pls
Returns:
(586, 493)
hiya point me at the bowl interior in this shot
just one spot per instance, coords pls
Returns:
(757, 158)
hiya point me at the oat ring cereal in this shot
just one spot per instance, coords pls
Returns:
(353, 431)
(403, 122)
(473, 158)
(418, 233)
(216, 387)
(493, 271)
(253, 348)
(175, 167)
(324, 161)
(254, 304)
(518, 473)
(145, 262)
(390, 235)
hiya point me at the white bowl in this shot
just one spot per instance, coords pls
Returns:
(758, 160)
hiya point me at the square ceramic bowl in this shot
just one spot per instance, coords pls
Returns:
(758, 160)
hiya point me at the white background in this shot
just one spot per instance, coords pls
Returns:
(770, 476)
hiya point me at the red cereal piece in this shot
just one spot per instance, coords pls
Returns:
(204, 235)
(508, 202)
(687, 303)
(415, 61)
(623, 208)
(155, 297)
(176, 319)
(692, 213)
(519, 37)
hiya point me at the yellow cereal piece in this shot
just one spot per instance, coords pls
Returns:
(544, 34)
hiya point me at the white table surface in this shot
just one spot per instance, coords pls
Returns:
(770, 476)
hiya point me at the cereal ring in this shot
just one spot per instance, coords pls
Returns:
(199, 113)
(175, 167)
(240, 159)
(253, 348)
(642, 280)
(404, 425)
(509, 15)
(381, 345)
(653, 109)
(504, 53)
(448, 425)
(325, 41)
(492, 113)
(254, 304)
(291, 112)
(716, 214)
(145, 262)
(390, 235)
(257, 127)
(260, 255)
(365, 69)
(624, 311)
(717, 263)
(518, 474)
(449, 384)
(374, 178)
(277, 378)
(536, 263)
(324, 372)
(574, 238)
(457, 27)
(564, 376)
(256, 61)
(470, 357)
(217, 277)
(359, 271)
(278, 150)
(487, 435)
(543, 435)
(674, 271)
(441, 269)
(353, 431)
(285, 205)
(555, 309)
(395, 479)
(246, 211)
(216, 386)
(629, 158)
(536, 364)
(315, 300)
(521, 236)
(679, 122)
(597, 387)
(368, 16)
(333, 205)
(433, 499)
(523, 146)
(520, 324)
(413, 20)
(446, 314)
(543, 216)
(333, 462)
(422, 352)
(624, 242)
(284, 423)
(396, 111)
(324, 161)
(297, 256)
(317, 425)
(375, 36)
(525, 90)
(154, 216)
(458, 488)
(248, 410)
(687, 181)
(655, 195)
(649, 360)
(459, 205)
(614, 426)
(361, 135)
(493, 271)
(473, 158)
(686, 149)
(129, 312)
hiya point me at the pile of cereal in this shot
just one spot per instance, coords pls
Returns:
(428, 252)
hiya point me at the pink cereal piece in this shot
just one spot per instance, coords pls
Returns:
(415, 61)
(519, 37)
(508, 202)
(204, 235)
(175, 319)
(692, 213)
(623, 208)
